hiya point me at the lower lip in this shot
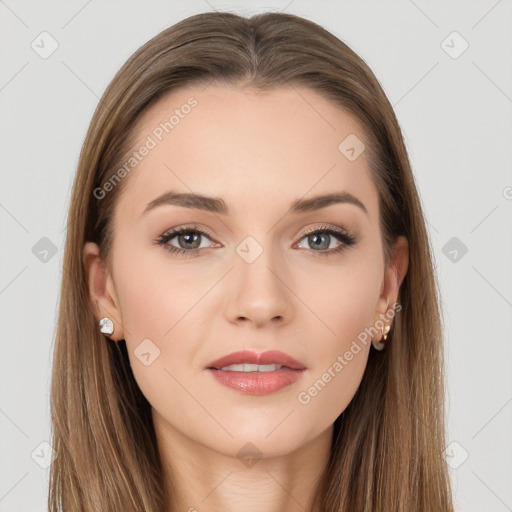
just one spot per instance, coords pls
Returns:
(257, 383)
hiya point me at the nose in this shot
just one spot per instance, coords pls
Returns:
(258, 293)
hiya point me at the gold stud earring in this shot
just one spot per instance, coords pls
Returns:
(379, 345)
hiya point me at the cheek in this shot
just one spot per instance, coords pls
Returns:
(344, 304)
(331, 387)
(340, 356)
(341, 299)
(155, 296)
(158, 305)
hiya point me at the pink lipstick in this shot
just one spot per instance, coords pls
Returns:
(256, 373)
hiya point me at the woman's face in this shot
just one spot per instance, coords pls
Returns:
(246, 273)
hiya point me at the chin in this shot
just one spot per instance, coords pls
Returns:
(249, 441)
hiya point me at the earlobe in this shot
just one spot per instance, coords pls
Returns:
(101, 289)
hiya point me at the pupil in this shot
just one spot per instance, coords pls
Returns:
(316, 237)
(190, 238)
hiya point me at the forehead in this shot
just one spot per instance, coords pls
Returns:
(247, 146)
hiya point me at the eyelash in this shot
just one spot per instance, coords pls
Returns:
(339, 233)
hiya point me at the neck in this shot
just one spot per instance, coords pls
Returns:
(202, 479)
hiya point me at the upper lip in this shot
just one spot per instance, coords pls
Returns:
(248, 356)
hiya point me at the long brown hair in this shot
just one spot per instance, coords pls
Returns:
(387, 446)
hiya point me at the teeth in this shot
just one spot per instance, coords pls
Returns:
(246, 367)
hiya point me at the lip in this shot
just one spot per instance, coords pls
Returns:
(257, 383)
(248, 356)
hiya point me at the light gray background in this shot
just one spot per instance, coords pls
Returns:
(456, 117)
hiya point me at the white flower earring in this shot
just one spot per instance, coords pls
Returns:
(106, 326)
(380, 345)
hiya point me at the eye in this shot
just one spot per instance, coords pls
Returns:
(188, 240)
(322, 238)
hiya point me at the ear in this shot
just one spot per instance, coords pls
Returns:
(393, 277)
(101, 289)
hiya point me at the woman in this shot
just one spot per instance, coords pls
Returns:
(249, 316)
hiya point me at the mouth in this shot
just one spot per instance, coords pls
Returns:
(251, 368)
(256, 374)
(249, 361)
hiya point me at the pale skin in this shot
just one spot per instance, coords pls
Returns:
(259, 152)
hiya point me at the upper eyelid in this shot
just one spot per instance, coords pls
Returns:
(185, 229)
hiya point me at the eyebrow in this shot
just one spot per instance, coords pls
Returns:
(219, 206)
